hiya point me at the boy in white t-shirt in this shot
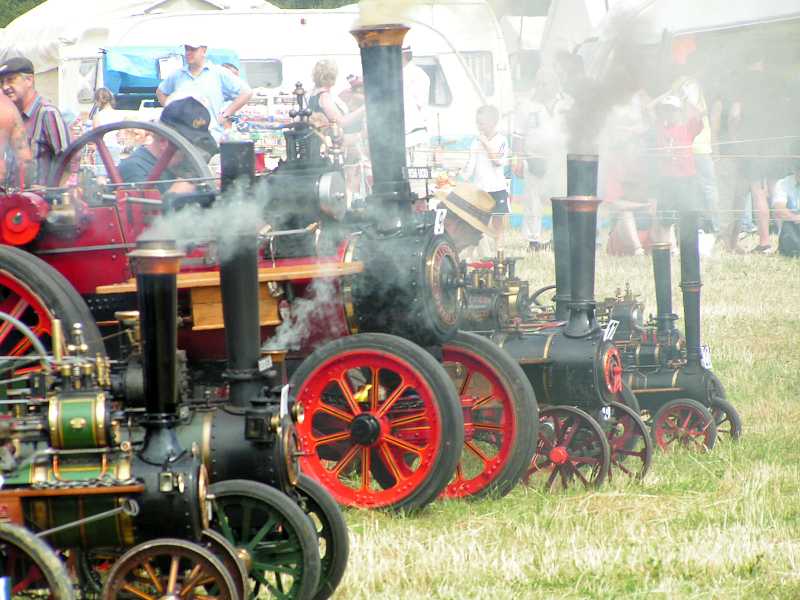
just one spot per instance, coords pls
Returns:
(487, 158)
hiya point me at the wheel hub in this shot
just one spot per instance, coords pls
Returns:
(245, 557)
(365, 429)
(558, 455)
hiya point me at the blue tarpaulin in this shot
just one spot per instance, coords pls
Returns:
(135, 68)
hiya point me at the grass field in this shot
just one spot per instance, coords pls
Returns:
(721, 525)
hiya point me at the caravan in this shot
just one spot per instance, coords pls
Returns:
(459, 44)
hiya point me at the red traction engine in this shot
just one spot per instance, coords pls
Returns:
(369, 300)
(669, 372)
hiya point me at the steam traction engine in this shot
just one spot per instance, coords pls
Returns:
(386, 418)
(587, 429)
(670, 373)
(70, 475)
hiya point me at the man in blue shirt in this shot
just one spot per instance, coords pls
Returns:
(219, 89)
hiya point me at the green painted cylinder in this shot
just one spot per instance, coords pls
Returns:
(79, 420)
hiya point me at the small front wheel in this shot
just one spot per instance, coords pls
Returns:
(686, 424)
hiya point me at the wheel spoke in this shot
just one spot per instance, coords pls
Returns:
(263, 531)
(390, 401)
(365, 468)
(137, 592)
(407, 420)
(569, 433)
(6, 327)
(162, 163)
(344, 386)
(403, 444)
(173, 575)
(552, 479)
(477, 452)
(389, 461)
(345, 460)
(192, 581)
(151, 573)
(580, 475)
(335, 412)
(222, 519)
(483, 401)
(330, 439)
(108, 160)
(465, 383)
(489, 427)
(375, 391)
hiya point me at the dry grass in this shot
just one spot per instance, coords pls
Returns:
(725, 524)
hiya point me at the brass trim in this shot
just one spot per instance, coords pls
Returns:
(675, 378)
(347, 290)
(100, 414)
(123, 468)
(205, 439)
(57, 340)
(202, 496)
(656, 390)
(379, 35)
(547, 346)
(54, 422)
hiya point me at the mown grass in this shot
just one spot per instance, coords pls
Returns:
(722, 525)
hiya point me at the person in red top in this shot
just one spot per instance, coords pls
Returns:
(676, 127)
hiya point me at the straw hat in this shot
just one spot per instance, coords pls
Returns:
(471, 205)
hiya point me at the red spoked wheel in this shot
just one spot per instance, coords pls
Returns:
(500, 417)
(383, 427)
(572, 449)
(629, 442)
(174, 151)
(34, 293)
(684, 423)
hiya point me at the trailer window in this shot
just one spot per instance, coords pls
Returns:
(482, 67)
(263, 73)
(440, 92)
(88, 80)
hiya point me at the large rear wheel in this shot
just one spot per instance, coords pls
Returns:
(383, 425)
(35, 293)
(501, 417)
(272, 536)
(334, 542)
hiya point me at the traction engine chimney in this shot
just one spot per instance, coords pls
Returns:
(690, 284)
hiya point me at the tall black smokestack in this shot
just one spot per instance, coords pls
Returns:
(561, 257)
(382, 64)
(690, 284)
(239, 285)
(582, 215)
(662, 273)
(156, 264)
(582, 174)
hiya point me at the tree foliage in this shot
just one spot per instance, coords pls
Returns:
(11, 9)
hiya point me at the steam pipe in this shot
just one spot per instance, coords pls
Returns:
(561, 257)
(665, 318)
(382, 63)
(582, 218)
(690, 284)
(239, 288)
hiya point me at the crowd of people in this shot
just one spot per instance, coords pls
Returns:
(684, 148)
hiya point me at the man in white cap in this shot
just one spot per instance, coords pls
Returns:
(220, 90)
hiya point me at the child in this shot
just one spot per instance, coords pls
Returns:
(677, 126)
(487, 159)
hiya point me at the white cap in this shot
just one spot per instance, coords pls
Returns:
(195, 42)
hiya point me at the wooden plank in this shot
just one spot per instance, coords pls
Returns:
(282, 273)
(207, 308)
